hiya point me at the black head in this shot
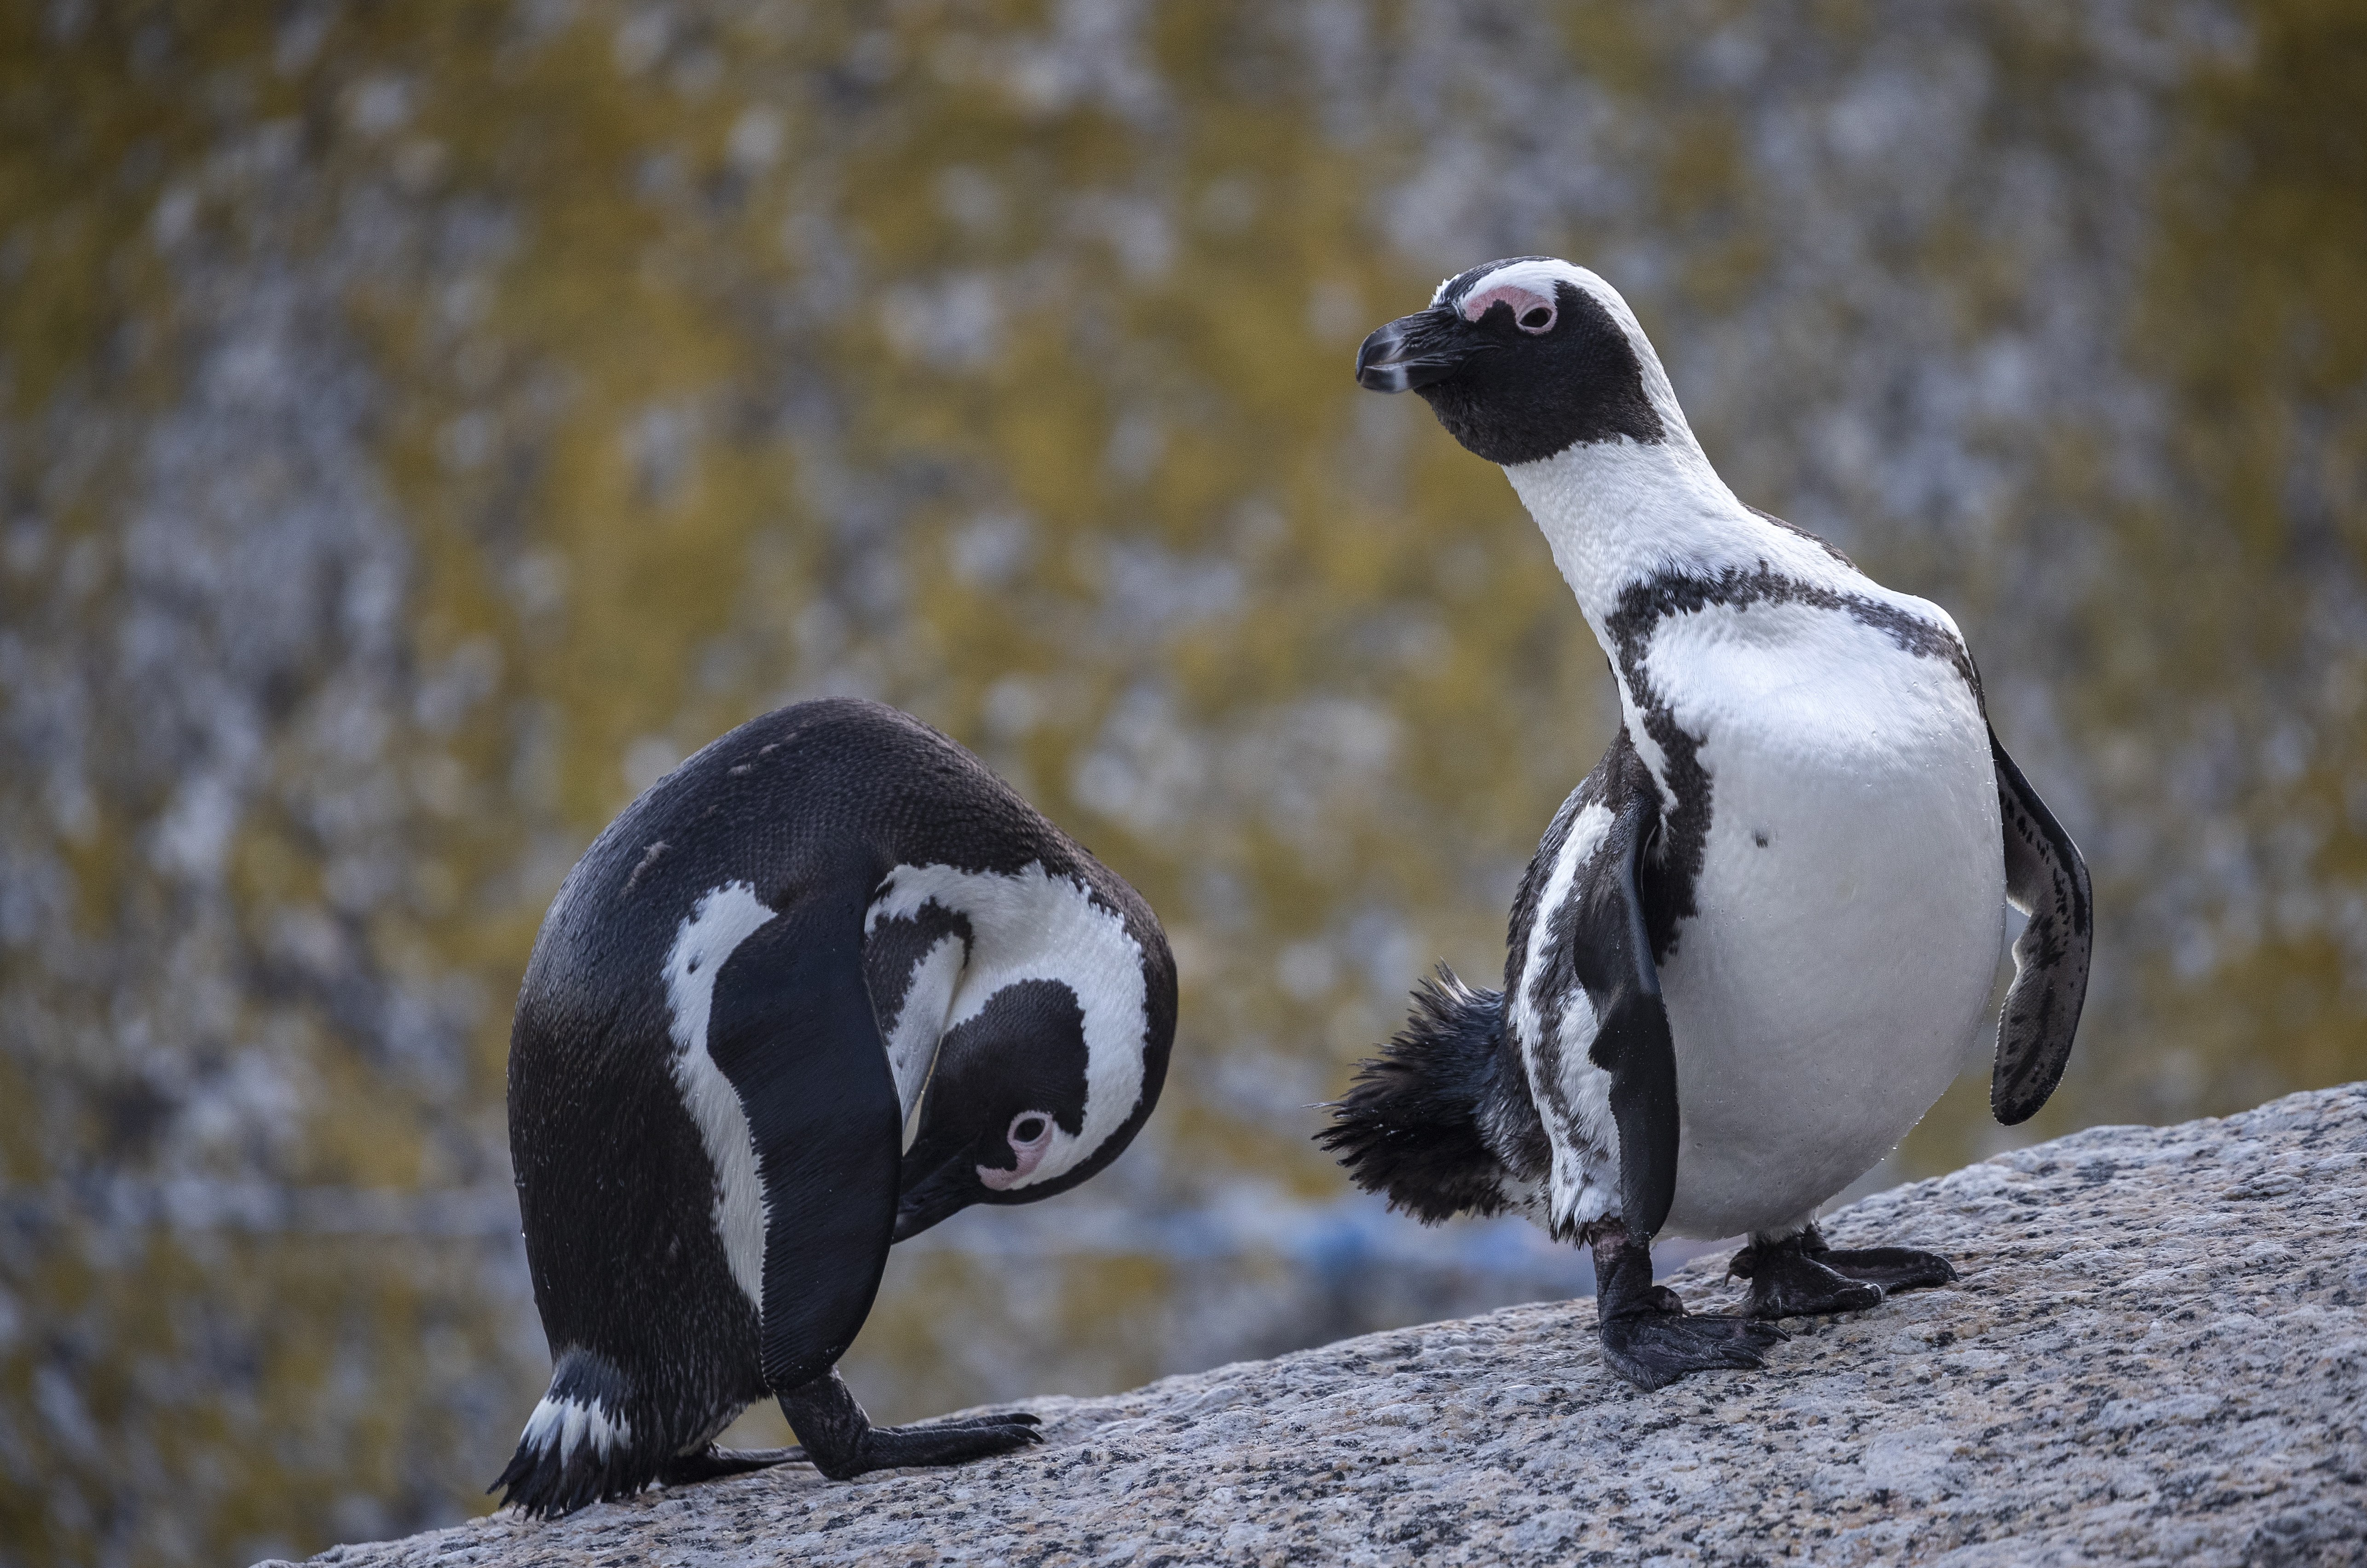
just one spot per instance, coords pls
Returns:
(1008, 1115)
(1519, 359)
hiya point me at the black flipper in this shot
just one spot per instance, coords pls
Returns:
(1612, 949)
(793, 1031)
(2046, 878)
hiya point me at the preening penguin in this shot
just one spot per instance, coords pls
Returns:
(1758, 937)
(825, 984)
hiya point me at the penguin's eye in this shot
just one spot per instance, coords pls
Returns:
(1031, 1143)
(1533, 313)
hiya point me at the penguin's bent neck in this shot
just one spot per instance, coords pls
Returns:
(1622, 514)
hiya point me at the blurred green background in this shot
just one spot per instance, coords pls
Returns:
(422, 424)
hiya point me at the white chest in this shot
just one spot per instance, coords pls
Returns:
(1848, 902)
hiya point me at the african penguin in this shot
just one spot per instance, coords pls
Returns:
(1758, 939)
(825, 984)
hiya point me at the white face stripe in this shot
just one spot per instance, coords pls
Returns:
(912, 1035)
(1538, 276)
(1031, 925)
(714, 929)
(564, 1424)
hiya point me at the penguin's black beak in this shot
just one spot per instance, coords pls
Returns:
(935, 1194)
(1416, 351)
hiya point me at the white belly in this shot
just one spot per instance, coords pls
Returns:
(1851, 905)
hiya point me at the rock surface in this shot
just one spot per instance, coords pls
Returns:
(2157, 1353)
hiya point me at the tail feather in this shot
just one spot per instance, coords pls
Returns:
(578, 1448)
(1409, 1125)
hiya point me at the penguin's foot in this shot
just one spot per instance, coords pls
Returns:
(1892, 1268)
(712, 1463)
(1648, 1338)
(1799, 1276)
(842, 1443)
(1652, 1349)
(891, 1448)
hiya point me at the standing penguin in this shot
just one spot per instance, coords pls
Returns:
(825, 984)
(1759, 936)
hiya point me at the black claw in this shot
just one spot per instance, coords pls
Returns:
(997, 1422)
(1892, 1268)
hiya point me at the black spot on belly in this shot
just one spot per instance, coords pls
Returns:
(1759, 839)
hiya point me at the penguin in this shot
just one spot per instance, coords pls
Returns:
(1758, 937)
(827, 983)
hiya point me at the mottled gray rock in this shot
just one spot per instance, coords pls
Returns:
(2155, 1354)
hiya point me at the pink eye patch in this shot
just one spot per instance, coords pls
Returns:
(1532, 312)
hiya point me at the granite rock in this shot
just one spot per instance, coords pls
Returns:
(2157, 1354)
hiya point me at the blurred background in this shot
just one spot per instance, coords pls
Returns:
(423, 424)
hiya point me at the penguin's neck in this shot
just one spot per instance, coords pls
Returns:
(1622, 513)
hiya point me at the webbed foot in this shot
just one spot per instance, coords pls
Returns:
(842, 1443)
(891, 1448)
(1648, 1338)
(1892, 1268)
(1653, 1349)
(1799, 1276)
